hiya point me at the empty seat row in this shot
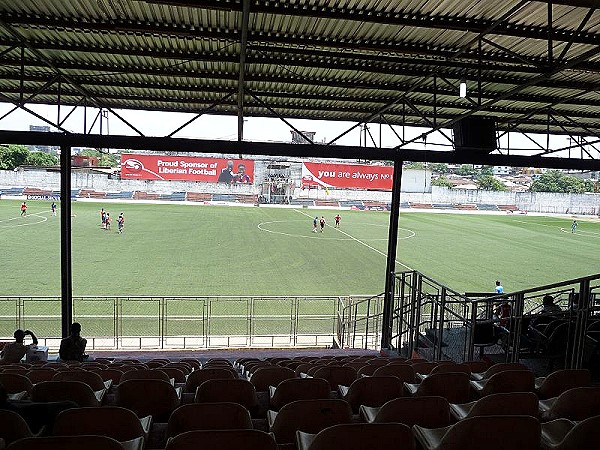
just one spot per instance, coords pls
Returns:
(490, 433)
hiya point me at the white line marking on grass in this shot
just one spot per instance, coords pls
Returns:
(536, 223)
(10, 225)
(261, 227)
(581, 232)
(562, 229)
(357, 240)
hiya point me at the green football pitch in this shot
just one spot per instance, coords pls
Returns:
(171, 249)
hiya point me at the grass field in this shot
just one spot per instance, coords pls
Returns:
(169, 249)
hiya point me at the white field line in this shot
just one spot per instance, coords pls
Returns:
(37, 214)
(562, 229)
(357, 240)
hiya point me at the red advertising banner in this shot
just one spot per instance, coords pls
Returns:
(353, 176)
(187, 168)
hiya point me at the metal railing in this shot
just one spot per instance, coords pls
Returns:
(359, 322)
(423, 312)
(440, 323)
(182, 322)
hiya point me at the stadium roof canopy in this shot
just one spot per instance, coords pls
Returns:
(532, 65)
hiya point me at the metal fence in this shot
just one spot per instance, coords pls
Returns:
(359, 322)
(161, 322)
(440, 323)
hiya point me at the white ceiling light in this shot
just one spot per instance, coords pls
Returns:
(462, 90)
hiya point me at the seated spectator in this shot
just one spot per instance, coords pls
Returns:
(502, 313)
(13, 352)
(72, 348)
(548, 305)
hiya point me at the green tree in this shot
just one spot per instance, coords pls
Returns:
(104, 158)
(41, 159)
(486, 170)
(490, 183)
(439, 167)
(556, 181)
(466, 170)
(443, 182)
(13, 156)
(415, 165)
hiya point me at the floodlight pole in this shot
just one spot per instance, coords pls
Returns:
(390, 270)
(66, 280)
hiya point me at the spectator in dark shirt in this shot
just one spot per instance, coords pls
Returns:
(548, 305)
(72, 348)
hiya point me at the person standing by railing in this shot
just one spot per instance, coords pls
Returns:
(499, 289)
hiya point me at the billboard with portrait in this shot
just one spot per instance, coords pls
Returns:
(187, 168)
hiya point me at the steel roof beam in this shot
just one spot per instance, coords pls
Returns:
(419, 55)
(583, 23)
(583, 149)
(132, 26)
(324, 114)
(464, 23)
(325, 59)
(25, 43)
(557, 69)
(287, 149)
(242, 67)
(200, 114)
(350, 113)
(111, 70)
(302, 94)
(515, 55)
(195, 100)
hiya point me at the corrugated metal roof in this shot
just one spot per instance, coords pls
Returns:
(329, 59)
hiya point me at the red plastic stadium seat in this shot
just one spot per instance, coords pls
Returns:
(453, 386)
(197, 377)
(503, 404)
(56, 391)
(309, 416)
(156, 398)
(298, 389)
(574, 404)
(223, 440)
(117, 423)
(371, 391)
(483, 432)
(506, 381)
(67, 443)
(13, 427)
(372, 436)
(336, 375)
(270, 376)
(428, 412)
(562, 380)
(222, 390)
(209, 416)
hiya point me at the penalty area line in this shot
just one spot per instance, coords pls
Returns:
(357, 240)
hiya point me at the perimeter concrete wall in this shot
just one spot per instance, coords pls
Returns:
(544, 202)
(101, 182)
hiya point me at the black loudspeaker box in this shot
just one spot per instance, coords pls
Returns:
(475, 134)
